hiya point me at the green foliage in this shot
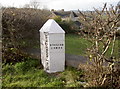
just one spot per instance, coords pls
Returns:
(8, 68)
(67, 26)
(25, 66)
(58, 19)
(71, 77)
(19, 21)
(13, 55)
(20, 30)
(27, 74)
(20, 67)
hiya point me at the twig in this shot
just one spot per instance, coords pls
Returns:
(113, 44)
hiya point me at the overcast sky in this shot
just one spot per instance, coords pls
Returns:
(62, 4)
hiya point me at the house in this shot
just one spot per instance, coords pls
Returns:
(73, 16)
(63, 14)
(67, 16)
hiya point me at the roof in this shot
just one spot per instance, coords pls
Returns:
(73, 14)
(65, 13)
(62, 13)
(51, 27)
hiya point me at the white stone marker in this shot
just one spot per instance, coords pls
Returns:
(52, 39)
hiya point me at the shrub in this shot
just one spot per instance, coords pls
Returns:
(102, 29)
(13, 55)
(21, 30)
(67, 26)
(26, 66)
(8, 68)
(57, 19)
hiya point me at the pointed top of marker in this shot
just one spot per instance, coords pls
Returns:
(51, 26)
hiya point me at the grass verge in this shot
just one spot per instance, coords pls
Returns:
(76, 45)
(29, 74)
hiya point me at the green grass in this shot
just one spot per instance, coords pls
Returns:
(28, 74)
(116, 53)
(76, 44)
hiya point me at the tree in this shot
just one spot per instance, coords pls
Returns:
(26, 6)
(101, 27)
(20, 31)
(34, 4)
(118, 5)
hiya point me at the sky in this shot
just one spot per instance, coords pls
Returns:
(62, 4)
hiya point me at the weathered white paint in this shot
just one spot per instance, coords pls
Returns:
(52, 39)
